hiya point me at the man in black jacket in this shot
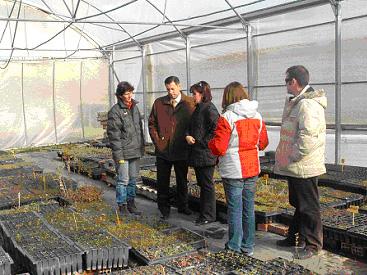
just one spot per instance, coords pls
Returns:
(125, 133)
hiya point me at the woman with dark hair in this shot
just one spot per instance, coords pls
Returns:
(239, 136)
(202, 124)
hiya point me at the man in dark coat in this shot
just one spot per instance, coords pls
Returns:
(125, 134)
(168, 121)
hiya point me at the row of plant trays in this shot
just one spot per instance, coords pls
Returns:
(227, 262)
(5, 262)
(101, 249)
(343, 177)
(27, 188)
(152, 246)
(37, 246)
(266, 210)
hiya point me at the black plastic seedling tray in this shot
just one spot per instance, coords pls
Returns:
(5, 262)
(94, 258)
(196, 243)
(54, 254)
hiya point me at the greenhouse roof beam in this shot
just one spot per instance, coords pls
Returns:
(266, 12)
(67, 7)
(76, 9)
(165, 16)
(243, 21)
(136, 43)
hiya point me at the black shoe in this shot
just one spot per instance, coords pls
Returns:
(132, 207)
(123, 210)
(305, 254)
(185, 211)
(202, 221)
(287, 242)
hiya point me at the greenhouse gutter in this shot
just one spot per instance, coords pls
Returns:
(280, 9)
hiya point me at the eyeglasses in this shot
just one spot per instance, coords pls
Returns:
(287, 80)
(200, 84)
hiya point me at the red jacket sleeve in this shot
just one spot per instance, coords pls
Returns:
(219, 144)
(263, 139)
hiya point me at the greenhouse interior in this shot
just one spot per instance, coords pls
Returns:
(61, 63)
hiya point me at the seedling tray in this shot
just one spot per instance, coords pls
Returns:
(38, 246)
(101, 249)
(5, 262)
(187, 241)
(286, 267)
(156, 269)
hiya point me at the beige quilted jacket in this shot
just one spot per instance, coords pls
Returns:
(301, 149)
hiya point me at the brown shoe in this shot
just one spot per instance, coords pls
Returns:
(305, 253)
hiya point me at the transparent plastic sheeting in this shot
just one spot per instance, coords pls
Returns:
(36, 125)
(37, 36)
(105, 29)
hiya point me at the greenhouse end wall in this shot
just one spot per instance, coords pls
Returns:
(52, 102)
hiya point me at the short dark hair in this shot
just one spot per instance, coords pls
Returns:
(233, 92)
(171, 79)
(203, 88)
(124, 87)
(300, 73)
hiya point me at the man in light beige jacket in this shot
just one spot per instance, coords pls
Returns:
(300, 156)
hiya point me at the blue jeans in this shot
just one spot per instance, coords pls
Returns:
(240, 195)
(126, 174)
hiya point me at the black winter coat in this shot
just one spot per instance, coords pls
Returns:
(125, 131)
(202, 125)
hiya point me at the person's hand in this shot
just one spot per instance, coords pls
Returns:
(190, 140)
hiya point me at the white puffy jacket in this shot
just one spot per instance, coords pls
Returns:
(301, 149)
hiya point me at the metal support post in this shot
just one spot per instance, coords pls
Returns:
(250, 62)
(336, 5)
(144, 84)
(188, 66)
(23, 107)
(54, 100)
(81, 99)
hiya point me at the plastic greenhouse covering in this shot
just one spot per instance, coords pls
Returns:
(60, 61)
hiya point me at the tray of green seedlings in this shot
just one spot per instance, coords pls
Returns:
(225, 262)
(285, 267)
(156, 269)
(193, 263)
(18, 168)
(191, 175)
(336, 223)
(151, 245)
(348, 197)
(72, 151)
(36, 245)
(14, 192)
(363, 208)
(149, 177)
(88, 166)
(346, 177)
(101, 249)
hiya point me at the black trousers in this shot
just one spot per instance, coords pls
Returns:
(304, 196)
(163, 179)
(204, 176)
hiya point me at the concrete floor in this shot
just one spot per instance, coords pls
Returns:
(265, 249)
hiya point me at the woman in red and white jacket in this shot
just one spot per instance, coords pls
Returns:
(239, 135)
